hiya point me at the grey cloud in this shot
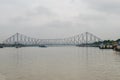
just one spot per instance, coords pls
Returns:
(29, 17)
(109, 6)
(7, 1)
(12, 2)
(92, 17)
(59, 18)
(40, 11)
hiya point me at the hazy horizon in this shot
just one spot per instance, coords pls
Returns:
(59, 18)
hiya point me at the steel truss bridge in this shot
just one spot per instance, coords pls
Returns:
(20, 40)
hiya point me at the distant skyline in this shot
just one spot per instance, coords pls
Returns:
(60, 18)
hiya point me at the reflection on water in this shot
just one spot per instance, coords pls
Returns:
(59, 63)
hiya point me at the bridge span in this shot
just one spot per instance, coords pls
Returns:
(20, 40)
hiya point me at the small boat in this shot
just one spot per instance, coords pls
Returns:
(42, 46)
(18, 47)
(117, 48)
(1, 46)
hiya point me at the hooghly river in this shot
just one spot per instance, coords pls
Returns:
(59, 63)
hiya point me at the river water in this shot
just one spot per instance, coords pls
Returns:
(59, 63)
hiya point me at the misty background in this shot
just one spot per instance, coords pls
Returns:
(46, 19)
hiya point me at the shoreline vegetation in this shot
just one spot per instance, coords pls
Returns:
(110, 44)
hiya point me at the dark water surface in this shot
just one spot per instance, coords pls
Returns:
(59, 63)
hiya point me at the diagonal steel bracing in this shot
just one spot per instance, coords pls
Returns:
(84, 38)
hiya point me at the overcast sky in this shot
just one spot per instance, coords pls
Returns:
(60, 18)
